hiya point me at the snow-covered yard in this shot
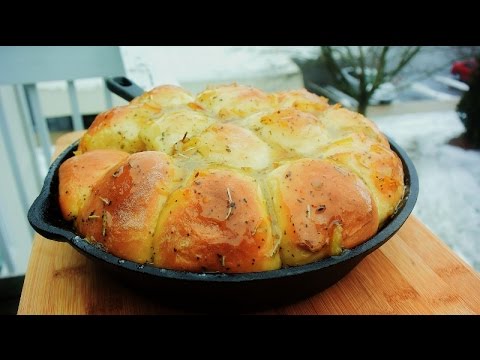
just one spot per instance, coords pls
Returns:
(449, 199)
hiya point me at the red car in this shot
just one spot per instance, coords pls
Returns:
(463, 69)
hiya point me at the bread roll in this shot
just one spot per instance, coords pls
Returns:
(235, 180)
(78, 174)
(380, 168)
(217, 222)
(296, 132)
(302, 100)
(118, 128)
(320, 208)
(174, 128)
(228, 102)
(122, 211)
(163, 97)
(231, 145)
(342, 122)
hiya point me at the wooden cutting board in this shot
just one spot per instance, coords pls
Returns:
(413, 273)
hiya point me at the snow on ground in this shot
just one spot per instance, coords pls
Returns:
(449, 198)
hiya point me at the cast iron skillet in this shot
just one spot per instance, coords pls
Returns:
(217, 290)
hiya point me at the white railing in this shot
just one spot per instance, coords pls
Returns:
(24, 129)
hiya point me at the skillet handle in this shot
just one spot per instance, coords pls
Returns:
(124, 87)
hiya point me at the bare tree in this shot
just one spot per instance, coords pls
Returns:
(373, 66)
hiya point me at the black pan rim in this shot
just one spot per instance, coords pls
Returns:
(37, 216)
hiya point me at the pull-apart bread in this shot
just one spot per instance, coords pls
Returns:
(232, 180)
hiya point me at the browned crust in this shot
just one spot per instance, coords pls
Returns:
(78, 174)
(381, 169)
(122, 211)
(343, 122)
(311, 199)
(234, 101)
(164, 96)
(302, 100)
(118, 128)
(218, 222)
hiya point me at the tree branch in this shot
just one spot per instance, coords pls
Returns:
(405, 58)
(362, 88)
(380, 77)
(336, 71)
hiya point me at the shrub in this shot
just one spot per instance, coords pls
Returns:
(468, 110)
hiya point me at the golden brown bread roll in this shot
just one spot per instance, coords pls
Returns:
(382, 171)
(122, 210)
(163, 97)
(118, 128)
(294, 131)
(78, 174)
(342, 122)
(238, 180)
(302, 100)
(173, 128)
(320, 208)
(231, 145)
(217, 222)
(234, 101)
(379, 167)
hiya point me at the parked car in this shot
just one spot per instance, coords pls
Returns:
(384, 94)
(463, 69)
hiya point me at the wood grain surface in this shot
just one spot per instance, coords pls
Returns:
(413, 273)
